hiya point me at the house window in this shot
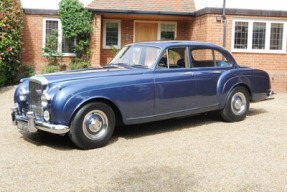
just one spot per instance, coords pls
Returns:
(258, 36)
(167, 31)
(241, 34)
(112, 34)
(276, 36)
(53, 26)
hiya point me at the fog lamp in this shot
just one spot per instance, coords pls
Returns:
(46, 115)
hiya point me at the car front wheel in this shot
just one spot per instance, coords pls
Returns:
(92, 126)
(237, 105)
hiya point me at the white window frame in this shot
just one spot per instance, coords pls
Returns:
(267, 36)
(60, 36)
(105, 46)
(158, 28)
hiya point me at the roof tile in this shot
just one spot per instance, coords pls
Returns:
(180, 6)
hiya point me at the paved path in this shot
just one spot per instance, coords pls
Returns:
(199, 153)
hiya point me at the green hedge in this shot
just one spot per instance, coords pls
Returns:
(11, 40)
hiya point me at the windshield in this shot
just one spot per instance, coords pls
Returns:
(136, 55)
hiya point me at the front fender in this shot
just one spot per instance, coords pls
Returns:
(66, 104)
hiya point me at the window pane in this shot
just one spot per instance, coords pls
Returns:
(221, 60)
(167, 31)
(68, 45)
(112, 34)
(241, 35)
(151, 56)
(51, 31)
(276, 36)
(259, 32)
(204, 58)
(137, 55)
(177, 58)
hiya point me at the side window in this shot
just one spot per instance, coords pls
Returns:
(174, 58)
(208, 58)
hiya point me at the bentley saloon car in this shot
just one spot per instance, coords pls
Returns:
(144, 82)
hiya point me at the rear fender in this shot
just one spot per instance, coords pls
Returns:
(229, 85)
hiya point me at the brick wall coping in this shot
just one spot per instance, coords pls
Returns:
(41, 11)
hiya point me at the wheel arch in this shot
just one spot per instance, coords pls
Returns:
(227, 92)
(115, 108)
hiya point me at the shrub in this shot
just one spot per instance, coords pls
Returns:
(11, 40)
(25, 71)
(114, 50)
(79, 65)
(77, 24)
(50, 69)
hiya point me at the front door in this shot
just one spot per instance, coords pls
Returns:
(174, 82)
(145, 31)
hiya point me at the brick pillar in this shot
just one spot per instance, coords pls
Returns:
(96, 41)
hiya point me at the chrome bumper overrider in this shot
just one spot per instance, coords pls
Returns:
(270, 93)
(30, 124)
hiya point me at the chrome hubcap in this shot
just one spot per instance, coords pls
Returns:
(238, 103)
(95, 124)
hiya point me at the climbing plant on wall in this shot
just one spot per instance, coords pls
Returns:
(77, 24)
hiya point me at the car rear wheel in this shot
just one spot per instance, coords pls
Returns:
(92, 126)
(237, 105)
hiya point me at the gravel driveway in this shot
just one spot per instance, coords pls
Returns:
(199, 153)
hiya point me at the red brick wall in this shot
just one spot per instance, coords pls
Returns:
(33, 40)
(96, 41)
(206, 28)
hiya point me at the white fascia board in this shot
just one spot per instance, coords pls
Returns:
(276, 5)
(44, 4)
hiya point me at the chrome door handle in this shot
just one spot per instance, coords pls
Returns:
(216, 71)
(188, 73)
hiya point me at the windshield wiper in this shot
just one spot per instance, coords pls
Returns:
(139, 65)
(127, 65)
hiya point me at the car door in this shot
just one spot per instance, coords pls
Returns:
(208, 64)
(174, 82)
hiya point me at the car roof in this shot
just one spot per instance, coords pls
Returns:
(164, 44)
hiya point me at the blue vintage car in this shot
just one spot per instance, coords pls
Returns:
(147, 81)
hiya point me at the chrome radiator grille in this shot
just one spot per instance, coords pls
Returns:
(35, 92)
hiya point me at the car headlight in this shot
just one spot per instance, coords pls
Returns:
(23, 94)
(45, 98)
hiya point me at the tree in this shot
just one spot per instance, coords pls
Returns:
(11, 40)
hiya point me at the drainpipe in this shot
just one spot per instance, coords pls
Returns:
(224, 23)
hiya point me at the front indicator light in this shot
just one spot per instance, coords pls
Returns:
(23, 95)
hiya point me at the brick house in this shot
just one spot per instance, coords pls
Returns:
(256, 37)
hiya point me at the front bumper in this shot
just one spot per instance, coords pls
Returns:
(30, 124)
